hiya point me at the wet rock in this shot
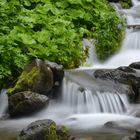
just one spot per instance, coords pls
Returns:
(58, 71)
(62, 133)
(25, 103)
(44, 130)
(126, 69)
(137, 134)
(58, 74)
(135, 65)
(39, 76)
(123, 75)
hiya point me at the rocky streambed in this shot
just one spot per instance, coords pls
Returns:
(40, 88)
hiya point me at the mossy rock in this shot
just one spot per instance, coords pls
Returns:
(62, 133)
(35, 77)
(44, 130)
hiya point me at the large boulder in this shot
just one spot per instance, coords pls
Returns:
(126, 75)
(39, 76)
(44, 130)
(25, 103)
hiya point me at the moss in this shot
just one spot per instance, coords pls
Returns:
(50, 132)
(126, 4)
(62, 133)
(25, 81)
(54, 132)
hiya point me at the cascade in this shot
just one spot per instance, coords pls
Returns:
(3, 103)
(84, 100)
(92, 54)
(130, 50)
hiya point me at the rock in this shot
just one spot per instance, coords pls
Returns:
(44, 130)
(126, 69)
(58, 72)
(39, 76)
(135, 65)
(137, 134)
(25, 103)
(62, 133)
(125, 75)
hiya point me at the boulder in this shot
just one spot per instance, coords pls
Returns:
(39, 76)
(135, 65)
(44, 130)
(25, 103)
(58, 72)
(126, 75)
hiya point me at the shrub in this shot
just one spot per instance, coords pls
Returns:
(53, 30)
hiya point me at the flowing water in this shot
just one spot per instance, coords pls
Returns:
(130, 50)
(89, 108)
(3, 103)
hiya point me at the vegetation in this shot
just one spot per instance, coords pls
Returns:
(126, 3)
(53, 30)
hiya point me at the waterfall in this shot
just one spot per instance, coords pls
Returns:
(92, 58)
(130, 50)
(84, 100)
(3, 103)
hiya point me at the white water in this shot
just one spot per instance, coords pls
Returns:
(92, 54)
(97, 124)
(84, 100)
(130, 50)
(3, 103)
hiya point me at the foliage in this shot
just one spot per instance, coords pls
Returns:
(126, 3)
(53, 30)
(11, 57)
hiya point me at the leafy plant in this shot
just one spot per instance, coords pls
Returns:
(126, 3)
(53, 30)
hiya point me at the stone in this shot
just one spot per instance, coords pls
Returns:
(44, 130)
(39, 76)
(58, 74)
(138, 134)
(58, 71)
(25, 103)
(62, 133)
(123, 75)
(135, 65)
